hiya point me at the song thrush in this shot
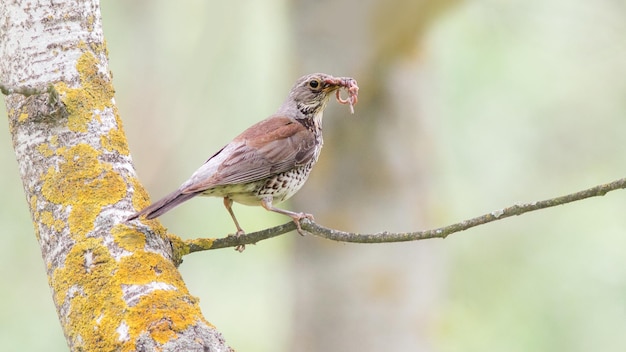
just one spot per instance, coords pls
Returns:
(268, 162)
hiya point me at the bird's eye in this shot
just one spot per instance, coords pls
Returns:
(314, 83)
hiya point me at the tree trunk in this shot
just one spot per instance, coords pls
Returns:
(369, 178)
(115, 285)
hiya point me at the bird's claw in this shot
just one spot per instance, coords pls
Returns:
(296, 220)
(241, 247)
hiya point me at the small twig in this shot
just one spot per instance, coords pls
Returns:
(26, 91)
(53, 102)
(201, 244)
(53, 99)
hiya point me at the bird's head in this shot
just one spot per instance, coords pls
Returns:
(311, 93)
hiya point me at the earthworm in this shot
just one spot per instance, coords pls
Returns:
(353, 92)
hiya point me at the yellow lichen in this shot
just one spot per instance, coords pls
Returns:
(81, 219)
(115, 141)
(85, 184)
(180, 248)
(162, 312)
(140, 196)
(106, 50)
(99, 48)
(90, 21)
(91, 280)
(44, 149)
(98, 307)
(23, 117)
(165, 312)
(145, 267)
(95, 93)
(33, 202)
(88, 269)
(33, 206)
(127, 238)
(47, 218)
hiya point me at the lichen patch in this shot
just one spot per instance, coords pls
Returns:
(83, 183)
(94, 94)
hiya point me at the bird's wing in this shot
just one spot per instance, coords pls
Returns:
(270, 147)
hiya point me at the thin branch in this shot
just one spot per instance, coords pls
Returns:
(25, 91)
(315, 229)
(30, 91)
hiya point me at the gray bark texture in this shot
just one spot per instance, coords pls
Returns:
(115, 285)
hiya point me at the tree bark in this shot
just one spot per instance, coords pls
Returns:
(115, 285)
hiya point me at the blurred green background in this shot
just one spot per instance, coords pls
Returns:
(465, 107)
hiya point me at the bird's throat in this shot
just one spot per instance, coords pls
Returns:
(313, 122)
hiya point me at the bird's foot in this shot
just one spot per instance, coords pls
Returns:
(240, 248)
(296, 219)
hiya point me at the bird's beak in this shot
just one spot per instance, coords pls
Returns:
(333, 83)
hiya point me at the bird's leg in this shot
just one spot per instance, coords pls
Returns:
(267, 204)
(228, 203)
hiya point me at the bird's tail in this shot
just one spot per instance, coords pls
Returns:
(164, 205)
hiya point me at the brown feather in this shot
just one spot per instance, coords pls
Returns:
(163, 205)
(270, 147)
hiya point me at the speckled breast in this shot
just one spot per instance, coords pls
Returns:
(282, 186)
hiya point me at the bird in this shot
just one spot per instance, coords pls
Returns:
(269, 161)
